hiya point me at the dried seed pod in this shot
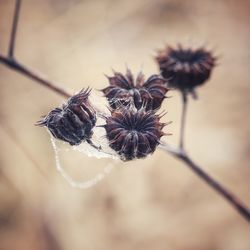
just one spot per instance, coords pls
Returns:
(74, 121)
(124, 90)
(133, 133)
(185, 68)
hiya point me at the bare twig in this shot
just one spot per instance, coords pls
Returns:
(179, 153)
(232, 199)
(183, 119)
(13, 64)
(30, 73)
(14, 29)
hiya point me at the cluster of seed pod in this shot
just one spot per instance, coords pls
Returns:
(133, 127)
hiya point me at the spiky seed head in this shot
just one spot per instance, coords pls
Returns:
(124, 90)
(133, 133)
(74, 121)
(185, 68)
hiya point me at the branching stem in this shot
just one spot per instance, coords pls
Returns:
(30, 73)
(232, 199)
(178, 153)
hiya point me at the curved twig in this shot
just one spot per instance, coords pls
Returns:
(232, 199)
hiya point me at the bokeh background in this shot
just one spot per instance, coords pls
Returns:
(151, 204)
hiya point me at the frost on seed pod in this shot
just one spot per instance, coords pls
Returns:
(124, 90)
(185, 68)
(133, 133)
(74, 121)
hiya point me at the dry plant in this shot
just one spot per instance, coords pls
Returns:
(132, 127)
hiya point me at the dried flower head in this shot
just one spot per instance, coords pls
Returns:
(185, 68)
(124, 90)
(74, 121)
(133, 133)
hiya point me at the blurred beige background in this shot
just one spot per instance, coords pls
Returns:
(151, 204)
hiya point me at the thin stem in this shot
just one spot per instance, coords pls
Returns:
(183, 119)
(30, 73)
(232, 199)
(19, 67)
(14, 29)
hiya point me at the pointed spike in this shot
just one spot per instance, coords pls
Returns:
(166, 123)
(162, 114)
(41, 123)
(126, 66)
(101, 126)
(167, 134)
(89, 141)
(108, 77)
(103, 116)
